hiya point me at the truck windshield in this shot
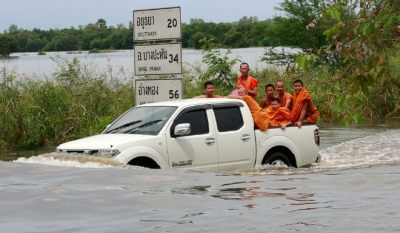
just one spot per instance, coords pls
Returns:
(142, 120)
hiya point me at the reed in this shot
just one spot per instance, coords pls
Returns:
(77, 101)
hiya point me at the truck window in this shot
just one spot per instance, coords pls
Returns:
(228, 119)
(142, 120)
(197, 119)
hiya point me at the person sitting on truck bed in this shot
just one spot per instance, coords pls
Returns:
(303, 110)
(269, 92)
(259, 116)
(285, 97)
(209, 90)
(278, 116)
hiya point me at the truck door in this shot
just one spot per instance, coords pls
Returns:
(196, 150)
(235, 139)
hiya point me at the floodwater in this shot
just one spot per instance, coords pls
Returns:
(355, 188)
(120, 62)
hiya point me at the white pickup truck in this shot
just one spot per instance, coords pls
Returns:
(214, 135)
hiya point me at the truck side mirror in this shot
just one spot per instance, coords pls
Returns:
(182, 129)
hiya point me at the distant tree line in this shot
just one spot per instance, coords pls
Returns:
(247, 32)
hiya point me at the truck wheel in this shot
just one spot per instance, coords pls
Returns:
(279, 159)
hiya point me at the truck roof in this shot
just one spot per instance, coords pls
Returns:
(194, 101)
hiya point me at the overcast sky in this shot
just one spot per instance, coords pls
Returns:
(53, 14)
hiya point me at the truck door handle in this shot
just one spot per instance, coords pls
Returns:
(245, 137)
(210, 141)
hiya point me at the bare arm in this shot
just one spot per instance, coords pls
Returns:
(283, 126)
(288, 103)
(263, 103)
(253, 92)
(302, 114)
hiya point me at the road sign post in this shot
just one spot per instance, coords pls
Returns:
(157, 59)
(157, 24)
(154, 90)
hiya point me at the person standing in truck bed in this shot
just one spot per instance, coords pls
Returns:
(246, 81)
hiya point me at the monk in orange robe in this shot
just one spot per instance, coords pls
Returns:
(259, 116)
(303, 110)
(278, 116)
(285, 97)
(269, 92)
(246, 81)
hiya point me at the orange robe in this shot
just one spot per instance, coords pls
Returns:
(298, 102)
(250, 84)
(215, 96)
(284, 99)
(278, 117)
(259, 116)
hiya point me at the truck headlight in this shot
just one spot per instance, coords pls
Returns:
(108, 152)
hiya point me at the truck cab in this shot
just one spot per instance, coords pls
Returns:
(196, 134)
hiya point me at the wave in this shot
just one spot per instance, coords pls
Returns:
(75, 160)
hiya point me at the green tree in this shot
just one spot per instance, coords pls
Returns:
(233, 38)
(66, 43)
(96, 44)
(303, 25)
(8, 45)
(101, 24)
(12, 28)
(89, 33)
(244, 27)
(259, 34)
(194, 41)
(361, 44)
(219, 66)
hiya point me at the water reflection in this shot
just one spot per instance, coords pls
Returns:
(233, 193)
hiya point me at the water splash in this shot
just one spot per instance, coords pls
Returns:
(75, 160)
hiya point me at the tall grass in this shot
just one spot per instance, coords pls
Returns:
(79, 100)
(76, 101)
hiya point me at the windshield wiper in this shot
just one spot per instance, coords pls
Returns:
(149, 123)
(123, 126)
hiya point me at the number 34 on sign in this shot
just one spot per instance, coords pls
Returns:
(157, 59)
